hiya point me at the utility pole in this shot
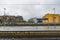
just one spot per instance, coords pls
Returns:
(54, 17)
(4, 15)
(4, 11)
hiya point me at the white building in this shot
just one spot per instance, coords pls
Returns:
(34, 20)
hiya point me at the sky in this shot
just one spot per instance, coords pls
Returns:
(29, 8)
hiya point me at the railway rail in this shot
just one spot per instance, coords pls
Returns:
(29, 33)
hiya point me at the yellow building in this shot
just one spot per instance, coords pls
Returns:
(52, 18)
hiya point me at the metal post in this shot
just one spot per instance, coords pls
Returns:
(48, 22)
(4, 16)
(54, 17)
(4, 11)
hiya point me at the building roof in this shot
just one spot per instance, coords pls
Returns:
(42, 18)
(48, 14)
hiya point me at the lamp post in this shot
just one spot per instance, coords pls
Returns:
(54, 17)
(4, 15)
(4, 11)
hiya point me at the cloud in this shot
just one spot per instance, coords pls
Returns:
(19, 1)
(27, 10)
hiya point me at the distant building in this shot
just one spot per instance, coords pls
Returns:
(36, 20)
(33, 20)
(52, 18)
(11, 19)
(19, 19)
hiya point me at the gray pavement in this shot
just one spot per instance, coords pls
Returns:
(29, 28)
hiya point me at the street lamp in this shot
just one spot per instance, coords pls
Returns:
(4, 15)
(54, 17)
(4, 11)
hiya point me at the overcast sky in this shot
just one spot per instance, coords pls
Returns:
(29, 8)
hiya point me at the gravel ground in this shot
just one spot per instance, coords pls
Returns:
(40, 38)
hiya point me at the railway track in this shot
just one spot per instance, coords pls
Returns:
(29, 33)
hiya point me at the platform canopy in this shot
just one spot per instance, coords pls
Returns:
(42, 18)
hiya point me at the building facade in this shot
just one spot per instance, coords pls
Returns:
(11, 19)
(32, 20)
(52, 18)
